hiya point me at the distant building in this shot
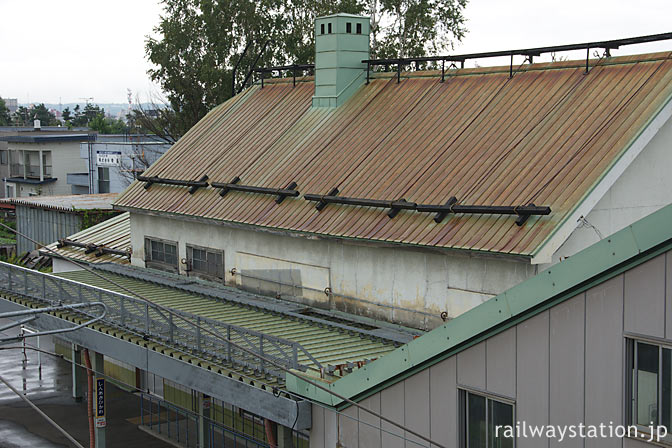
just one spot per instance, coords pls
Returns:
(38, 162)
(6, 131)
(12, 104)
(50, 218)
(115, 161)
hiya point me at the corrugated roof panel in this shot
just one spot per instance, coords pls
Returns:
(547, 135)
(113, 233)
(329, 345)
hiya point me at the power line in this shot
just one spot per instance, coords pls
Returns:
(229, 341)
(39, 411)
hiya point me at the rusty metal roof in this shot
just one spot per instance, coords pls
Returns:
(547, 135)
(69, 203)
(113, 233)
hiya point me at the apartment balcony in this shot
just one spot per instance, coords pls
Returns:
(31, 171)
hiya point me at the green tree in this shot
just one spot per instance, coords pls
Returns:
(82, 117)
(5, 119)
(22, 117)
(67, 115)
(40, 112)
(200, 41)
(105, 125)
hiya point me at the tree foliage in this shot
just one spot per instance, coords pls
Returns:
(200, 41)
(106, 125)
(25, 116)
(5, 119)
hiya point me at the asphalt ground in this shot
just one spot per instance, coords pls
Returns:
(50, 388)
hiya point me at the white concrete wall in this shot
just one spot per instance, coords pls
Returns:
(644, 187)
(404, 285)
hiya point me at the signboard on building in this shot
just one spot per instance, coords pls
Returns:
(108, 158)
(100, 403)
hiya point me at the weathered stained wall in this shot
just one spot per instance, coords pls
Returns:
(563, 366)
(409, 286)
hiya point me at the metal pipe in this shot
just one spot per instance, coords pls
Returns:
(399, 204)
(428, 208)
(161, 180)
(52, 309)
(281, 192)
(607, 44)
(90, 247)
(89, 398)
(486, 209)
(270, 433)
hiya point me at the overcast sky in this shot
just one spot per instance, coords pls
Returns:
(76, 49)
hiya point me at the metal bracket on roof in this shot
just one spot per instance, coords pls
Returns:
(281, 193)
(193, 188)
(440, 216)
(225, 187)
(522, 218)
(90, 248)
(149, 181)
(322, 200)
(520, 210)
(397, 206)
(289, 190)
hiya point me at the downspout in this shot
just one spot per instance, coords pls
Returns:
(270, 433)
(92, 433)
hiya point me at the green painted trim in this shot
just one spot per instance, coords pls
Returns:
(627, 248)
(606, 172)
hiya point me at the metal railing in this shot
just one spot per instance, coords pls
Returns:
(181, 425)
(154, 323)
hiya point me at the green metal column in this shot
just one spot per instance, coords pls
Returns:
(284, 437)
(77, 372)
(98, 366)
(204, 405)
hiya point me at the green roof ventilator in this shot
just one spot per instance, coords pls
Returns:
(341, 44)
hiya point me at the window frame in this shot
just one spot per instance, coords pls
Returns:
(631, 384)
(4, 157)
(202, 274)
(463, 412)
(158, 264)
(104, 179)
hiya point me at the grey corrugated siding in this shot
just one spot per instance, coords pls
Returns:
(43, 226)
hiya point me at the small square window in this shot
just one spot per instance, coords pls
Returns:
(484, 420)
(160, 254)
(329, 28)
(359, 28)
(322, 28)
(206, 262)
(348, 27)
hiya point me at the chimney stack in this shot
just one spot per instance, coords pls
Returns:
(36, 125)
(341, 43)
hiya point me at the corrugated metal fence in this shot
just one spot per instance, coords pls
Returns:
(44, 226)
